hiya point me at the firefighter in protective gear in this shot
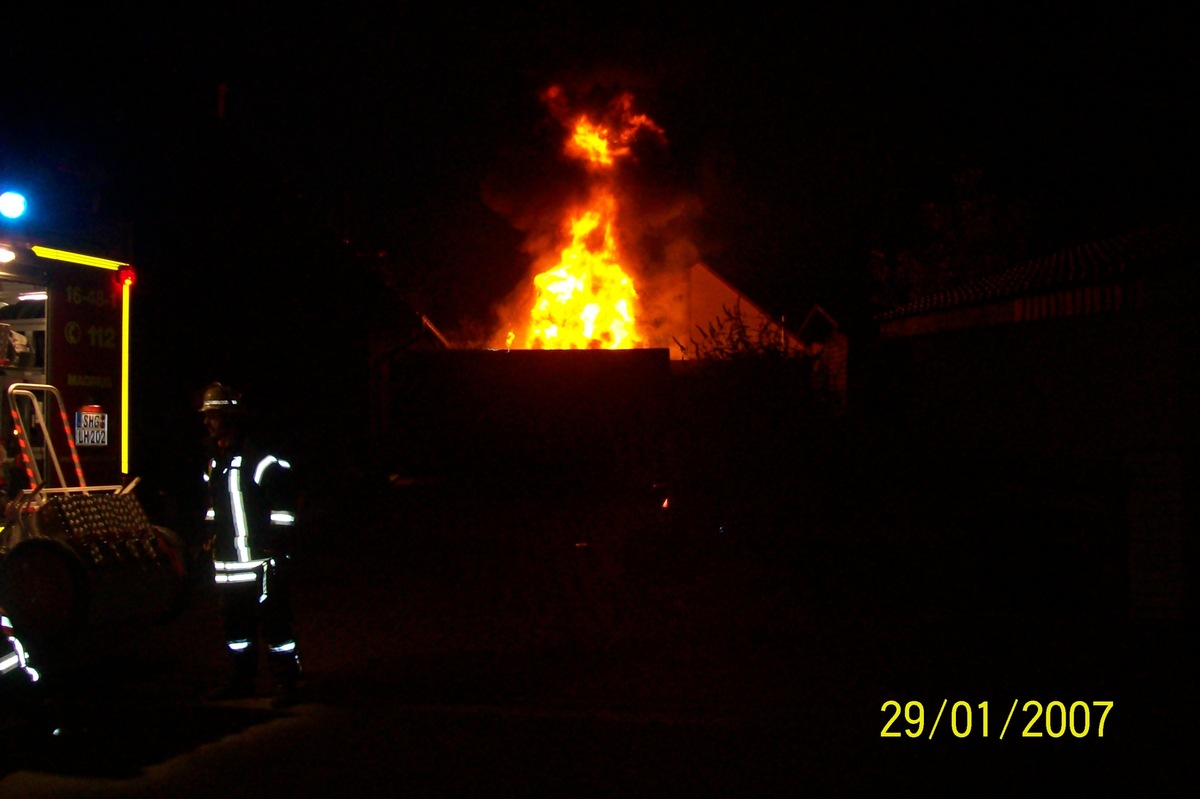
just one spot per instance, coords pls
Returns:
(13, 659)
(250, 523)
(20, 689)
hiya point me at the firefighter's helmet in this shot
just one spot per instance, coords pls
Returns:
(219, 397)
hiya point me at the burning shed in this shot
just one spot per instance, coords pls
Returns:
(574, 377)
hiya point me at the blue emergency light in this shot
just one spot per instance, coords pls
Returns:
(12, 204)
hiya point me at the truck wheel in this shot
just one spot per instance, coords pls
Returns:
(42, 592)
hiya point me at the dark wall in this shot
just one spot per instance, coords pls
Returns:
(1080, 385)
(1055, 452)
(526, 415)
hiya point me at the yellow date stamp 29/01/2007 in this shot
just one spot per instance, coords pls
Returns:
(964, 720)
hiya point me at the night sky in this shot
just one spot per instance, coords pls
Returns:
(377, 163)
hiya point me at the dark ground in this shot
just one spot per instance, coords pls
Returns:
(465, 644)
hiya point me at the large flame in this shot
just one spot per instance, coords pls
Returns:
(588, 300)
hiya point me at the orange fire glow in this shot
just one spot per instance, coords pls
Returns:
(588, 300)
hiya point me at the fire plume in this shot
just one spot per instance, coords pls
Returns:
(588, 300)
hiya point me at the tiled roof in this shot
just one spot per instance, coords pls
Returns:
(1107, 261)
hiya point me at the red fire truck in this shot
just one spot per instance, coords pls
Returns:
(77, 550)
(64, 321)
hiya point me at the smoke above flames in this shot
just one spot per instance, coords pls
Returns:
(607, 228)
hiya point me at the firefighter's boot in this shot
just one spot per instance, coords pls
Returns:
(241, 682)
(285, 667)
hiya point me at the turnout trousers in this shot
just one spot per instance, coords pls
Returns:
(258, 613)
